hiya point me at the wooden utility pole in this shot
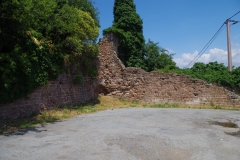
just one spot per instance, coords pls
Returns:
(229, 45)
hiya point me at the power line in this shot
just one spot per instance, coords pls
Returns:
(234, 15)
(206, 46)
(210, 42)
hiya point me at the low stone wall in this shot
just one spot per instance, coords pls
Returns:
(60, 92)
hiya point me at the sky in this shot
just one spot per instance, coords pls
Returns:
(184, 27)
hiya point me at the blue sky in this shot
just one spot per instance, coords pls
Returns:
(184, 26)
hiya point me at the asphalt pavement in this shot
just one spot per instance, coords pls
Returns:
(130, 134)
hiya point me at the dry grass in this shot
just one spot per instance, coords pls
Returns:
(102, 103)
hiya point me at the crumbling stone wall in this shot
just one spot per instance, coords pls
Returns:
(60, 92)
(116, 80)
(136, 84)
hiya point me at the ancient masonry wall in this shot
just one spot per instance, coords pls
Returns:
(60, 92)
(116, 80)
(136, 84)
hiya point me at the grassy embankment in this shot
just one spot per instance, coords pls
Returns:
(100, 104)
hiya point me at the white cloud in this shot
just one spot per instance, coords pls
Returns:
(170, 50)
(214, 54)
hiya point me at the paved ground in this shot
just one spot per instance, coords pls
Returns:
(132, 133)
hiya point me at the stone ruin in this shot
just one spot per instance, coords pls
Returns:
(114, 79)
(136, 84)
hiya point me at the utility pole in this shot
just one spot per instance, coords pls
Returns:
(229, 43)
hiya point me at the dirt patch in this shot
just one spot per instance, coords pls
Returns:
(236, 134)
(224, 124)
(227, 125)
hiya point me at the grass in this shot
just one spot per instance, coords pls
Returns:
(217, 107)
(157, 106)
(100, 104)
(165, 105)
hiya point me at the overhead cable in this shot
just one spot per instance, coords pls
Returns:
(209, 42)
(206, 46)
(234, 15)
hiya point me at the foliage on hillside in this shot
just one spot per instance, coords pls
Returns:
(38, 37)
(212, 72)
(157, 57)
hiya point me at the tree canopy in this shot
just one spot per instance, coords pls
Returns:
(128, 26)
(158, 58)
(213, 72)
(38, 37)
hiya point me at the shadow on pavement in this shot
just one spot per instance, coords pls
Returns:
(37, 129)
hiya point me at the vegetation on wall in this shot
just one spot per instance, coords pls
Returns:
(133, 52)
(41, 38)
(213, 72)
(38, 37)
(157, 57)
(128, 26)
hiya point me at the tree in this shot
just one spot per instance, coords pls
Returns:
(37, 36)
(236, 73)
(158, 58)
(128, 26)
(213, 72)
(86, 6)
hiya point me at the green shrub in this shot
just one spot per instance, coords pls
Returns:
(158, 106)
(35, 47)
(78, 78)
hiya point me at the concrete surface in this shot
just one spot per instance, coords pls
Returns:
(131, 133)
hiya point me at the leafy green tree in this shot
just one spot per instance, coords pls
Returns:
(35, 39)
(213, 72)
(77, 37)
(128, 26)
(236, 74)
(157, 58)
(23, 64)
(86, 6)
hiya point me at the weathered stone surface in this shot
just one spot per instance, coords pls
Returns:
(116, 80)
(133, 83)
(59, 92)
